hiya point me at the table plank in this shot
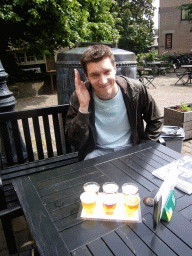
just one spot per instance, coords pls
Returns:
(54, 197)
(161, 155)
(64, 177)
(68, 183)
(89, 230)
(176, 244)
(37, 216)
(138, 177)
(183, 202)
(156, 156)
(187, 212)
(181, 227)
(142, 156)
(117, 245)
(165, 150)
(141, 170)
(99, 247)
(150, 239)
(135, 244)
(82, 251)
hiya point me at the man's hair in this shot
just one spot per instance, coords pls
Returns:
(96, 53)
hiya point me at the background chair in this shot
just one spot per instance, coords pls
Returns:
(146, 76)
(182, 77)
(147, 80)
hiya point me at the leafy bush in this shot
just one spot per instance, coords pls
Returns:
(139, 58)
(184, 107)
(149, 56)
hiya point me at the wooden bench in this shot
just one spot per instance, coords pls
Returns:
(27, 136)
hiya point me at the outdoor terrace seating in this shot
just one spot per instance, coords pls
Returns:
(22, 139)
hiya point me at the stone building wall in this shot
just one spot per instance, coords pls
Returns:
(170, 23)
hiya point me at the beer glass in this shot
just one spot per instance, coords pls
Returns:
(131, 204)
(129, 189)
(110, 187)
(91, 187)
(110, 197)
(130, 198)
(88, 200)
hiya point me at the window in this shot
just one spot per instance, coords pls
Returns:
(20, 57)
(184, 13)
(168, 41)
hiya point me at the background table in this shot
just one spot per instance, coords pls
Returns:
(158, 67)
(50, 201)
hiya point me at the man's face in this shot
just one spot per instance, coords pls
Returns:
(101, 75)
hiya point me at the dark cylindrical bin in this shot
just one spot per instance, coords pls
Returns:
(126, 65)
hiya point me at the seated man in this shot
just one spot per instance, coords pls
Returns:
(106, 113)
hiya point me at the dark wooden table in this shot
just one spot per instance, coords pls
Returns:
(50, 201)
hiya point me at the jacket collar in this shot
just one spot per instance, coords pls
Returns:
(127, 86)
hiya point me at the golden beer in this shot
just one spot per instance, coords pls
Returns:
(131, 203)
(88, 200)
(109, 203)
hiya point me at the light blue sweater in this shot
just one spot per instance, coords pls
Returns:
(111, 121)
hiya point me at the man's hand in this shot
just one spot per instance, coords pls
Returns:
(82, 93)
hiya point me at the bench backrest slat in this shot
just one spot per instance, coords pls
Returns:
(28, 142)
(48, 136)
(25, 133)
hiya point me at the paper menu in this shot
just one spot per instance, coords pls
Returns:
(183, 167)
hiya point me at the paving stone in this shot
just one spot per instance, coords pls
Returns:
(19, 224)
(23, 240)
(3, 244)
(4, 253)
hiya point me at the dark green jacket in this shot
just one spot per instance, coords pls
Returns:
(80, 128)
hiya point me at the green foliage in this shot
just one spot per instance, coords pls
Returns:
(140, 57)
(188, 9)
(45, 25)
(149, 56)
(135, 24)
(184, 107)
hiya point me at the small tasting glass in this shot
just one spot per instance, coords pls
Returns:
(110, 197)
(129, 189)
(91, 187)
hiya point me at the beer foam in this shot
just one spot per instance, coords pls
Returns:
(110, 188)
(130, 189)
(91, 188)
(88, 197)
